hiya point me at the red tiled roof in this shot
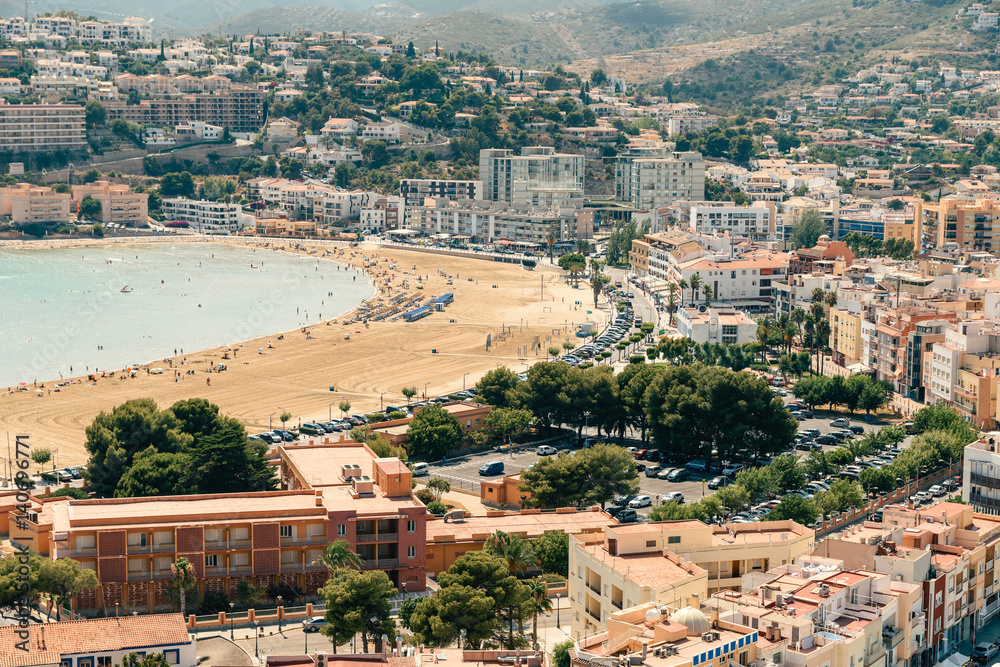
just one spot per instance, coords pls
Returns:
(50, 641)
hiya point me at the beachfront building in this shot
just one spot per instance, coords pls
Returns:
(717, 324)
(416, 190)
(24, 203)
(341, 491)
(652, 182)
(99, 642)
(41, 127)
(666, 562)
(538, 176)
(486, 222)
(206, 217)
(119, 204)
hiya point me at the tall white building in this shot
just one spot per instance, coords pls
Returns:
(487, 222)
(131, 30)
(537, 177)
(415, 190)
(207, 217)
(41, 127)
(650, 182)
(757, 222)
(981, 474)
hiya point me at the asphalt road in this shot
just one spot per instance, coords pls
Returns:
(464, 473)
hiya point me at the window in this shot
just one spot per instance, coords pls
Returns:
(341, 529)
(85, 662)
(286, 531)
(411, 526)
(173, 656)
(411, 552)
(674, 539)
(104, 661)
(211, 560)
(650, 543)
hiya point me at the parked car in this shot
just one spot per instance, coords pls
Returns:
(857, 429)
(313, 624)
(731, 469)
(672, 497)
(664, 473)
(627, 515)
(640, 501)
(679, 475)
(843, 423)
(716, 482)
(63, 475)
(826, 440)
(937, 491)
(311, 428)
(653, 471)
(546, 450)
(640, 454)
(491, 468)
(697, 464)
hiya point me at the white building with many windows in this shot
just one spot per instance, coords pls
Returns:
(538, 176)
(716, 324)
(651, 182)
(207, 217)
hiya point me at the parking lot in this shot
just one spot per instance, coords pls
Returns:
(464, 473)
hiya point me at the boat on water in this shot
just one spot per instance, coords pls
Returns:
(125, 290)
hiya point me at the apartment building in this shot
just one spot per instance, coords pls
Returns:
(56, 88)
(972, 225)
(486, 222)
(746, 281)
(131, 30)
(24, 203)
(383, 213)
(55, 25)
(239, 108)
(369, 503)
(965, 371)
(669, 561)
(652, 182)
(756, 222)
(805, 260)
(416, 190)
(893, 352)
(159, 84)
(949, 550)
(206, 217)
(691, 123)
(118, 203)
(41, 127)
(538, 176)
(981, 478)
(762, 186)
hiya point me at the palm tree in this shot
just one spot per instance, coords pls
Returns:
(682, 285)
(818, 295)
(540, 603)
(789, 331)
(184, 576)
(597, 282)
(550, 241)
(831, 299)
(696, 282)
(764, 328)
(511, 548)
(582, 246)
(798, 316)
(338, 555)
(672, 301)
(708, 296)
(822, 340)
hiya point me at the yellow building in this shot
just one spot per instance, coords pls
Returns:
(696, 558)
(845, 334)
(118, 203)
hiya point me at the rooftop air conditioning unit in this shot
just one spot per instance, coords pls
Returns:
(707, 636)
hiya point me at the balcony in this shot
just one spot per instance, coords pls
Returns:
(84, 552)
(891, 637)
(380, 564)
(139, 549)
(874, 657)
(164, 548)
(215, 545)
(378, 537)
(296, 541)
(596, 589)
(140, 576)
(240, 544)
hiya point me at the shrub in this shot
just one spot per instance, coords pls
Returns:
(426, 496)
(213, 603)
(71, 492)
(437, 508)
(397, 414)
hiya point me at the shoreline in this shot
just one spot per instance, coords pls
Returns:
(307, 371)
(376, 293)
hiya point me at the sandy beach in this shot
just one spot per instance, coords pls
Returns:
(295, 374)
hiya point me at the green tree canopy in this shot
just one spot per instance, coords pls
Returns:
(592, 476)
(807, 228)
(494, 387)
(433, 432)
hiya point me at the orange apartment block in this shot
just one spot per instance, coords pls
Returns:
(332, 492)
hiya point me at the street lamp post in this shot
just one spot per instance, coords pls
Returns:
(425, 390)
(280, 610)
(269, 420)
(381, 403)
(463, 381)
(558, 597)
(232, 628)
(256, 638)
(461, 638)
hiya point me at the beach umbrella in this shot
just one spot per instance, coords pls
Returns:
(22, 384)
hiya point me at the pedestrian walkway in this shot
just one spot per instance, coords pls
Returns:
(988, 634)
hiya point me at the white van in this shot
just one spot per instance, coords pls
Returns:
(420, 469)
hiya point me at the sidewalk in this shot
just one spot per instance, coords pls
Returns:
(988, 634)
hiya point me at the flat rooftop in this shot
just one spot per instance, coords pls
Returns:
(321, 465)
(655, 569)
(531, 525)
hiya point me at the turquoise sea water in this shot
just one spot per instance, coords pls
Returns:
(59, 305)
